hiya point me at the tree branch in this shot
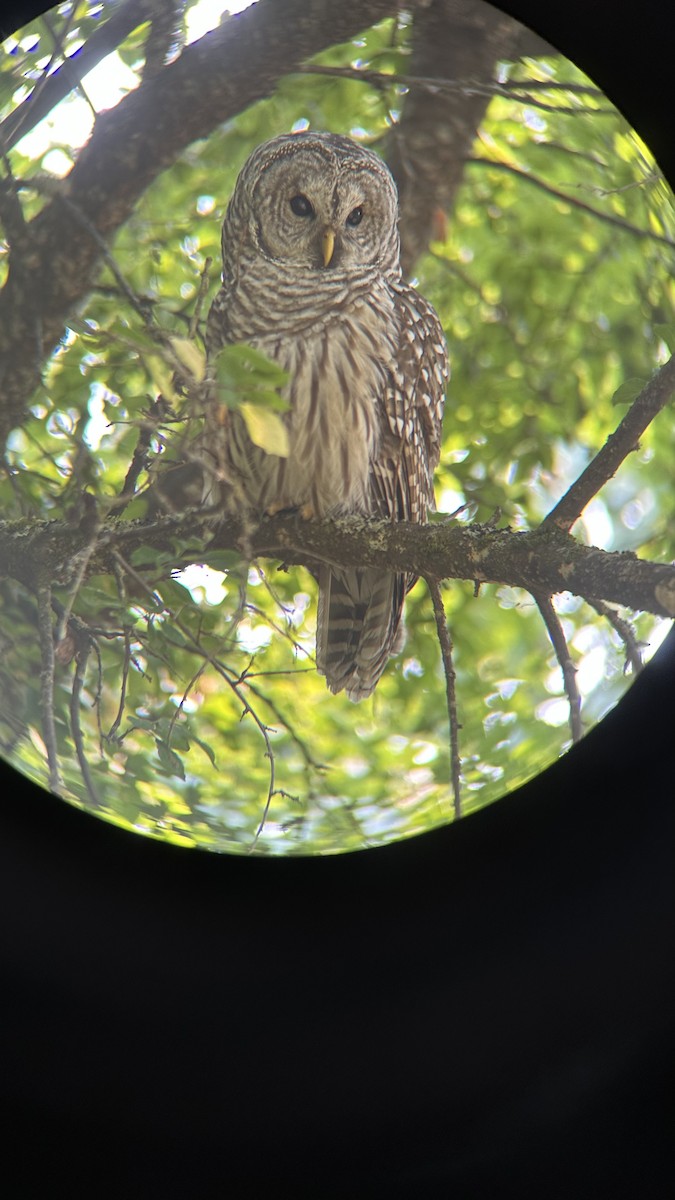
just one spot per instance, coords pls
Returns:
(653, 397)
(542, 561)
(451, 39)
(52, 88)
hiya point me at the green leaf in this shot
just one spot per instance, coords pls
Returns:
(209, 752)
(630, 389)
(149, 558)
(243, 373)
(222, 560)
(172, 762)
(179, 739)
(176, 637)
(144, 723)
(242, 358)
(666, 333)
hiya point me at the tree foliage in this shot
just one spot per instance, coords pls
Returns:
(159, 669)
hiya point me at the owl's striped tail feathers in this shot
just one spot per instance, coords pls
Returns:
(359, 627)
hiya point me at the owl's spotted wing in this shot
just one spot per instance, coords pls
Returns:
(412, 414)
(217, 323)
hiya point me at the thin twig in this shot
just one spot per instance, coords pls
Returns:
(112, 732)
(283, 633)
(653, 397)
(44, 607)
(11, 212)
(93, 645)
(201, 296)
(157, 411)
(17, 123)
(81, 659)
(290, 729)
(559, 643)
(231, 681)
(445, 643)
(550, 85)
(624, 630)
(92, 523)
(517, 93)
(67, 66)
(94, 234)
(180, 707)
(608, 218)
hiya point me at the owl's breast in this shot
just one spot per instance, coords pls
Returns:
(338, 374)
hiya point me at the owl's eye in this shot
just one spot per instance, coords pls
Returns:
(301, 206)
(354, 217)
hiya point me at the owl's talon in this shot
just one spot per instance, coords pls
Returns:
(304, 511)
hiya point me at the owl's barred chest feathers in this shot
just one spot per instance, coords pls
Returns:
(338, 370)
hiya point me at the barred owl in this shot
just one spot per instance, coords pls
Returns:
(311, 277)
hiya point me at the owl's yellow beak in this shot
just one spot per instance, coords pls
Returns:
(327, 245)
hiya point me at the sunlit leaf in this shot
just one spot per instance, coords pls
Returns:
(190, 355)
(266, 429)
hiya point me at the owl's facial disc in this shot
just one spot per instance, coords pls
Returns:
(314, 211)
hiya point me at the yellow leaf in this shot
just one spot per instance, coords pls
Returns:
(160, 375)
(266, 429)
(190, 356)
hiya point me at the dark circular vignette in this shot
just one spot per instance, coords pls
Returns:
(482, 1011)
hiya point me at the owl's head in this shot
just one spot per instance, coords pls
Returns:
(316, 201)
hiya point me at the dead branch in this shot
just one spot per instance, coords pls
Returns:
(464, 86)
